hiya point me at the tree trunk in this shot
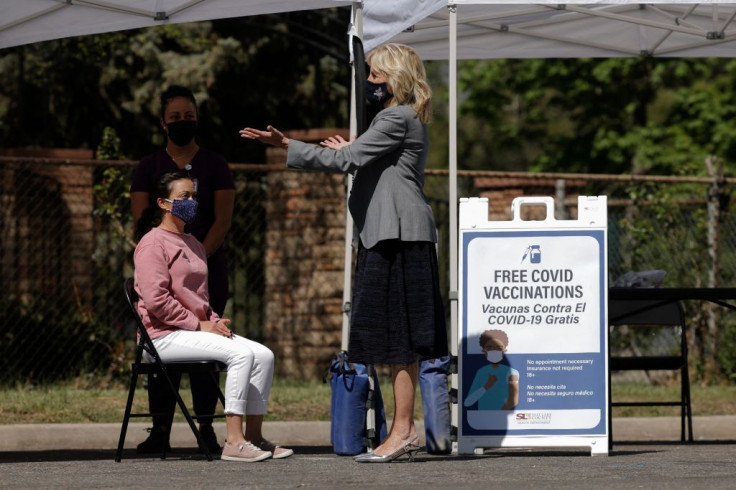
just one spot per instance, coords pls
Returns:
(708, 336)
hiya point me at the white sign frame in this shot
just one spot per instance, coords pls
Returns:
(543, 287)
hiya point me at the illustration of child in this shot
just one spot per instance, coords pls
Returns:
(495, 386)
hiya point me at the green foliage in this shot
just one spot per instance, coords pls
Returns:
(726, 355)
(112, 201)
(288, 69)
(63, 340)
(50, 94)
(109, 147)
(660, 116)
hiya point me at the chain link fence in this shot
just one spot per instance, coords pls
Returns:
(67, 245)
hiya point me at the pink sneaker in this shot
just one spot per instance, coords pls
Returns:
(277, 451)
(245, 452)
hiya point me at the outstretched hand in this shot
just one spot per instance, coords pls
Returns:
(336, 142)
(272, 136)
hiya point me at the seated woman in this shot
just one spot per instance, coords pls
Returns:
(171, 281)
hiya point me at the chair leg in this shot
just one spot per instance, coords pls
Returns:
(126, 417)
(187, 416)
(686, 388)
(683, 411)
(609, 407)
(610, 427)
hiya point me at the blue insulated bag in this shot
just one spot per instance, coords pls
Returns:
(351, 397)
(436, 404)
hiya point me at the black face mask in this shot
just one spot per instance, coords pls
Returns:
(181, 132)
(376, 93)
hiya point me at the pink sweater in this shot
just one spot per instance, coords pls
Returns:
(171, 281)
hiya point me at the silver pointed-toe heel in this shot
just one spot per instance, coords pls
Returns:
(410, 449)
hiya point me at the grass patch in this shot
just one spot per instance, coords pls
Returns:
(705, 400)
(310, 400)
(299, 400)
(293, 400)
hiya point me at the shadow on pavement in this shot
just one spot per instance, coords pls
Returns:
(625, 448)
(56, 455)
(109, 454)
(721, 442)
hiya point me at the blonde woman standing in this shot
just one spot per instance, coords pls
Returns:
(397, 316)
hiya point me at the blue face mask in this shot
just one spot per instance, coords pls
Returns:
(184, 209)
(376, 93)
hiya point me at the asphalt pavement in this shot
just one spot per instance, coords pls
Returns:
(646, 454)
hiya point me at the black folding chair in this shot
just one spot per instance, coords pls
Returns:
(659, 314)
(157, 366)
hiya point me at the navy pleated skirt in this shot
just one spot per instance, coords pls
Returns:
(397, 315)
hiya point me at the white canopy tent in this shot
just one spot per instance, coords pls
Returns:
(487, 29)
(546, 29)
(30, 21)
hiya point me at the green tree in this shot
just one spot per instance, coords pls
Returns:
(639, 115)
(289, 69)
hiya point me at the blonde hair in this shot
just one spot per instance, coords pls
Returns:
(405, 74)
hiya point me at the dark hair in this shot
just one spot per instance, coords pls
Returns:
(151, 216)
(173, 92)
(497, 335)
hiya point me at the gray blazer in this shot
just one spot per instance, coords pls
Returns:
(387, 200)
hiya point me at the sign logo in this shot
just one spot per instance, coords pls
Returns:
(534, 252)
(533, 417)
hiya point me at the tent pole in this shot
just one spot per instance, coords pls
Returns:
(452, 137)
(356, 29)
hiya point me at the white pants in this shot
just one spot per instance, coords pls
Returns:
(249, 365)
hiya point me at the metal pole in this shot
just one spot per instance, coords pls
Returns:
(372, 432)
(452, 69)
(356, 29)
(560, 196)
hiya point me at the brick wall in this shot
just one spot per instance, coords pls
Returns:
(47, 229)
(500, 193)
(305, 242)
